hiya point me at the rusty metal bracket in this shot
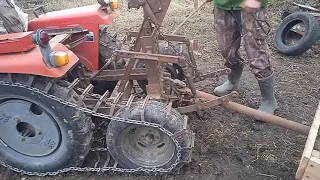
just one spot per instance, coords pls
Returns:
(101, 99)
(74, 83)
(96, 73)
(130, 100)
(115, 102)
(208, 104)
(174, 38)
(149, 56)
(85, 92)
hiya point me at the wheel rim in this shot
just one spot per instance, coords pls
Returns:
(27, 128)
(147, 146)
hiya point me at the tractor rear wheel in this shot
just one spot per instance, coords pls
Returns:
(107, 46)
(135, 146)
(39, 134)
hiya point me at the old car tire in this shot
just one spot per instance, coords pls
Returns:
(307, 40)
(126, 142)
(43, 135)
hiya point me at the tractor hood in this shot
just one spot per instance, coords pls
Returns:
(93, 14)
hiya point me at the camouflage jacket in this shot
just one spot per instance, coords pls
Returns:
(235, 4)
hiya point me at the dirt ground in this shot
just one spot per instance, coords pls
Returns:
(230, 146)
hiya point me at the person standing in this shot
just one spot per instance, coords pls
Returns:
(249, 17)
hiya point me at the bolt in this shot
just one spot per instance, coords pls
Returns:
(39, 132)
(22, 138)
(17, 120)
(93, 126)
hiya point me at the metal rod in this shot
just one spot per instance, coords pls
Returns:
(173, 32)
(259, 115)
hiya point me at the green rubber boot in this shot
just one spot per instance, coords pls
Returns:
(232, 84)
(268, 101)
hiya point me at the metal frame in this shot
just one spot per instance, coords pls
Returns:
(145, 47)
(181, 95)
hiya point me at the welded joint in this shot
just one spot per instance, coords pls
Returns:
(101, 99)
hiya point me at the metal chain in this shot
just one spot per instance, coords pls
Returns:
(104, 116)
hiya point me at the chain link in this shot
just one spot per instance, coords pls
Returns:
(104, 116)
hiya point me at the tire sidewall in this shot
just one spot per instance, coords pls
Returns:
(307, 40)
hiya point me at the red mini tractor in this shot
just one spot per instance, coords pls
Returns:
(68, 90)
(66, 81)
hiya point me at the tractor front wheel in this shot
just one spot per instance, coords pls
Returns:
(39, 134)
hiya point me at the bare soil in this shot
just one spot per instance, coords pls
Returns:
(231, 146)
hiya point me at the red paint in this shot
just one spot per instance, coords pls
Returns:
(31, 62)
(16, 42)
(88, 17)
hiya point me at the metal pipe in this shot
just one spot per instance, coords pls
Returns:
(259, 115)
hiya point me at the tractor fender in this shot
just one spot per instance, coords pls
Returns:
(31, 62)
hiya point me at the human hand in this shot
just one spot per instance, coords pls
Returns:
(251, 6)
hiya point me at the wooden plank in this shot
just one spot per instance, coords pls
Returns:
(307, 152)
(312, 171)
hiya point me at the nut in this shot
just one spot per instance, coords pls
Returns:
(17, 120)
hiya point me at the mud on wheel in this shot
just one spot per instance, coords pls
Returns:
(139, 146)
(37, 133)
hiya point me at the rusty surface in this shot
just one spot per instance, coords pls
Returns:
(259, 115)
(181, 95)
(207, 104)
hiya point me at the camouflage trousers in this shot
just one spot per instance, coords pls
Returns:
(254, 28)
